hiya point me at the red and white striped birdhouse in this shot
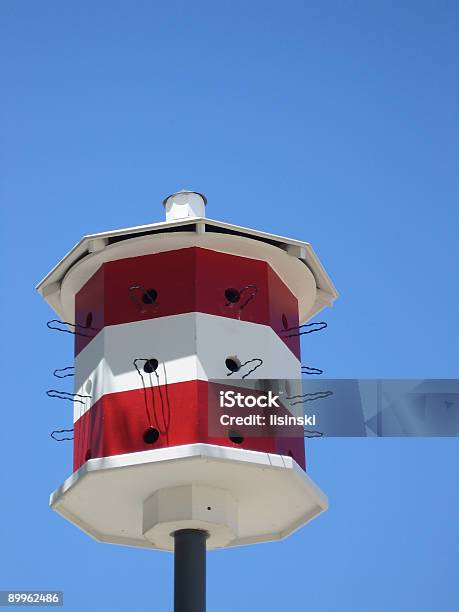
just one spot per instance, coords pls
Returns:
(159, 312)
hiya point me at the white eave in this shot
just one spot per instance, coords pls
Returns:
(297, 248)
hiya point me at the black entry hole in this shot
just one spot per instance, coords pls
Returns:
(150, 366)
(284, 322)
(232, 364)
(149, 297)
(88, 321)
(209, 508)
(232, 295)
(235, 437)
(151, 435)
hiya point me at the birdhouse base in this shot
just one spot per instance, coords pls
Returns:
(129, 499)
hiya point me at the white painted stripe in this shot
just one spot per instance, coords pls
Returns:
(188, 346)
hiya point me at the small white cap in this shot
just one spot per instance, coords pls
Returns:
(185, 204)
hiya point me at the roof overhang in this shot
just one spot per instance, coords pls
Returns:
(94, 242)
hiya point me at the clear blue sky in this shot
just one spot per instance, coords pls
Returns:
(332, 122)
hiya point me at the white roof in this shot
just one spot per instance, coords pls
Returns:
(302, 250)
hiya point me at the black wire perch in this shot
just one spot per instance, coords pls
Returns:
(69, 331)
(148, 298)
(305, 325)
(59, 431)
(233, 371)
(234, 295)
(309, 397)
(310, 371)
(311, 433)
(65, 395)
(70, 373)
(150, 367)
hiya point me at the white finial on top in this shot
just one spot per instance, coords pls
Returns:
(183, 204)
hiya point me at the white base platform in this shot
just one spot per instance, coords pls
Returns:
(105, 497)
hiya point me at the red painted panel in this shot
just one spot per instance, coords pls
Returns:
(217, 272)
(116, 424)
(89, 310)
(283, 311)
(171, 274)
(185, 280)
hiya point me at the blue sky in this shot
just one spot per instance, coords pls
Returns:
(329, 122)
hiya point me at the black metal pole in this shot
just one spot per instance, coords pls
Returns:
(190, 570)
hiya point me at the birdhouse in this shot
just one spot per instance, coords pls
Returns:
(159, 313)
